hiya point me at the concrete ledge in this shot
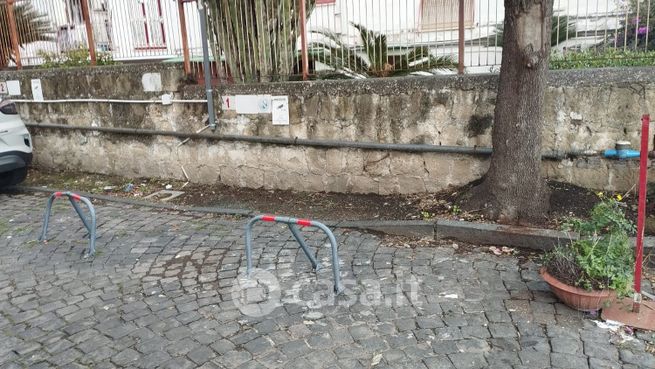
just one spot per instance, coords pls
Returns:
(149, 204)
(411, 228)
(496, 234)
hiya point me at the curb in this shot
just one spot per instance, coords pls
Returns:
(411, 228)
(502, 235)
(207, 210)
(441, 229)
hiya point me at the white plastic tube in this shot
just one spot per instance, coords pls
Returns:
(107, 101)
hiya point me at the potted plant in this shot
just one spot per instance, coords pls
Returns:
(593, 270)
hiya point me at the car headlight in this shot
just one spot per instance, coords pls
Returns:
(8, 108)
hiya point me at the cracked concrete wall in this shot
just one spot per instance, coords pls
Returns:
(585, 110)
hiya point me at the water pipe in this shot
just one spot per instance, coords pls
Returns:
(621, 152)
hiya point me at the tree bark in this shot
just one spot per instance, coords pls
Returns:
(513, 190)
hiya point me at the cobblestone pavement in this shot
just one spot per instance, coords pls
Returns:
(159, 293)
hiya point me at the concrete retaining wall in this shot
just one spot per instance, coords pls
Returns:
(585, 110)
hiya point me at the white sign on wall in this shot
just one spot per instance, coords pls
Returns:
(13, 87)
(151, 82)
(37, 91)
(3, 88)
(280, 110)
(253, 104)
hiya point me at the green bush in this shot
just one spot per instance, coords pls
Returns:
(73, 58)
(602, 258)
(602, 59)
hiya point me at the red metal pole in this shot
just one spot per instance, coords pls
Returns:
(641, 211)
(460, 40)
(185, 41)
(303, 40)
(89, 31)
(13, 33)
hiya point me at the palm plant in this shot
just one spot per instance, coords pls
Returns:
(562, 30)
(378, 59)
(31, 25)
(258, 38)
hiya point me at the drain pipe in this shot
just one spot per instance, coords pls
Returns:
(205, 64)
(327, 144)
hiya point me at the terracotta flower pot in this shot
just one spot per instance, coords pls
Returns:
(578, 298)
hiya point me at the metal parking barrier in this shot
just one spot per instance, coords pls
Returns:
(90, 225)
(293, 223)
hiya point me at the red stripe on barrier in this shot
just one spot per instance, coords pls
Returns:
(75, 197)
(304, 222)
(57, 194)
(268, 218)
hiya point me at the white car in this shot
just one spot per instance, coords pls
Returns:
(15, 145)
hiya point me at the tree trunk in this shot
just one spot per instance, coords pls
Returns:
(513, 190)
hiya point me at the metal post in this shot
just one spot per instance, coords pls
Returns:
(90, 226)
(185, 41)
(460, 40)
(205, 64)
(13, 33)
(89, 31)
(303, 40)
(641, 211)
(296, 234)
(292, 222)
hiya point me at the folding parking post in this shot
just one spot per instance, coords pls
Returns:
(293, 223)
(90, 225)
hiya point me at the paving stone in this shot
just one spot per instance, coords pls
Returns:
(126, 357)
(472, 345)
(475, 331)
(559, 360)
(448, 333)
(502, 330)
(361, 331)
(601, 350)
(566, 346)
(438, 362)
(502, 359)
(179, 363)
(468, 360)
(154, 359)
(201, 355)
(65, 357)
(595, 363)
(535, 359)
(641, 359)
(258, 345)
(234, 358)
(295, 348)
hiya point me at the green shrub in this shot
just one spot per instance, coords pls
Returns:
(602, 59)
(602, 258)
(73, 58)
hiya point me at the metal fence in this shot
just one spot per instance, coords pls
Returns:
(262, 40)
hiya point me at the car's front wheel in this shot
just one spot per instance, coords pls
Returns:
(13, 177)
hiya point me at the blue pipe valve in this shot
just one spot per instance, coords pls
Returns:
(621, 152)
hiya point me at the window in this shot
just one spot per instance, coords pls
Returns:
(325, 2)
(148, 25)
(441, 15)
